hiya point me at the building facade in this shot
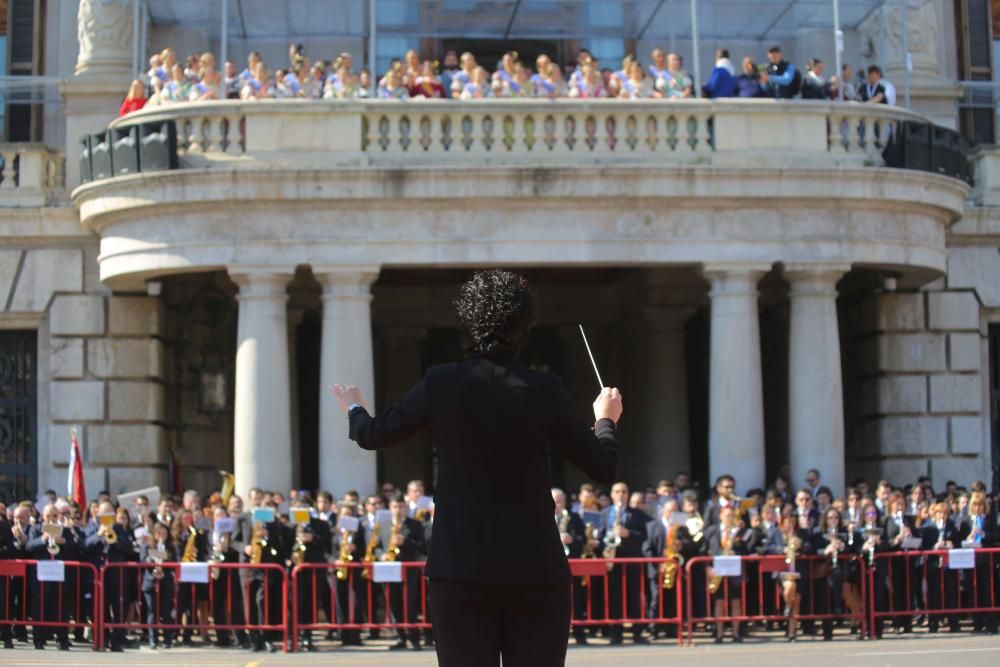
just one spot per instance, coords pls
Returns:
(763, 288)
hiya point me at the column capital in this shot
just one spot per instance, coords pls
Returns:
(346, 282)
(734, 278)
(814, 278)
(261, 282)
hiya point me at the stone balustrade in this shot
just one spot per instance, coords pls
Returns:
(531, 132)
(30, 175)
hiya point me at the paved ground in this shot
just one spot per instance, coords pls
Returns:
(911, 651)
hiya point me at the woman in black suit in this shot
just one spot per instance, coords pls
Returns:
(158, 582)
(494, 423)
(978, 530)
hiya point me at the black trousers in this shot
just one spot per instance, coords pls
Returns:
(47, 605)
(159, 603)
(476, 624)
(227, 605)
(410, 613)
(942, 592)
(627, 603)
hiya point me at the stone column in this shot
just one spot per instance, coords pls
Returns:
(667, 402)
(263, 430)
(103, 74)
(736, 396)
(815, 394)
(346, 358)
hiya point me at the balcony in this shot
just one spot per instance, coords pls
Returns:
(517, 182)
(530, 132)
(31, 175)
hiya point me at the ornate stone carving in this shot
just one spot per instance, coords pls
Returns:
(922, 27)
(104, 30)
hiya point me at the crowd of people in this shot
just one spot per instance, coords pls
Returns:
(461, 76)
(668, 523)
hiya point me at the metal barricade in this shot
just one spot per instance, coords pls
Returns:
(63, 598)
(944, 585)
(758, 591)
(629, 592)
(352, 599)
(241, 598)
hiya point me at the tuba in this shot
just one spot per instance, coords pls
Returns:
(672, 560)
(370, 550)
(345, 555)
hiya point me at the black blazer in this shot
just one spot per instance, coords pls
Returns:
(494, 423)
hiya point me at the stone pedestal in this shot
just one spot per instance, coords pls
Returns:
(736, 397)
(815, 394)
(262, 454)
(346, 358)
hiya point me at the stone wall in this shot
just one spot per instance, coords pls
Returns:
(921, 372)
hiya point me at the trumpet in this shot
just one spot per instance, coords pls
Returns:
(110, 536)
(218, 556)
(612, 540)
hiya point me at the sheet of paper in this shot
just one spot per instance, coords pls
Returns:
(349, 523)
(224, 525)
(194, 573)
(961, 559)
(299, 515)
(383, 517)
(912, 543)
(727, 566)
(51, 570)
(388, 572)
(263, 514)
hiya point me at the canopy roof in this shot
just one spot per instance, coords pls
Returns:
(718, 20)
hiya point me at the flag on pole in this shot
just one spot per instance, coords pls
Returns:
(75, 488)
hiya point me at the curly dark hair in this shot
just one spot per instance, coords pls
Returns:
(496, 309)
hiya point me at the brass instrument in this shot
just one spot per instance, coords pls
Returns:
(345, 555)
(258, 542)
(110, 536)
(370, 550)
(190, 547)
(696, 527)
(156, 556)
(299, 549)
(612, 541)
(792, 546)
(588, 551)
(420, 514)
(50, 540)
(392, 554)
(726, 537)
(563, 529)
(218, 555)
(672, 560)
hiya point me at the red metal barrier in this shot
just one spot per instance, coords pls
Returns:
(899, 580)
(50, 604)
(644, 574)
(762, 570)
(350, 602)
(234, 586)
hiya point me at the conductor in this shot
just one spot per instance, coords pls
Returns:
(494, 423)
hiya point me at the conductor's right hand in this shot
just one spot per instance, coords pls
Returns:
(608, 405)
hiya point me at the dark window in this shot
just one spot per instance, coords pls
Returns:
(18, 416)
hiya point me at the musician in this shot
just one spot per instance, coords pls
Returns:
(402, 540)
(792, 538)
(661, 541)
(805, 509)
(8, 551)
(158, 583)
(19, 595)
(165, 511)
(192, 545)
(414, 493)
(105, 545)
(898, 528)
(942, 583)
(628, 525)
(350, 548)
(725, 538)
(227, 592)
(725, 486)
(830, 543)
(573, 535)
(47, 605)
(982, 533)
(692, 539)
(313, 542)
(268, 544)
(79, 581)
(495, 423)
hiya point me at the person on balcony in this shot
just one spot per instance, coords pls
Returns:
(207, 88)
(722, 82)
(590, 84)
(748, 83)
(783, 78)
(479, 87)
(636, 85)
(178, 88)
(675, 82)
(873, 91)
(428, 85)
(546, 81)
(135, 100)
(814, 86)
(463, 77)
(259, 86)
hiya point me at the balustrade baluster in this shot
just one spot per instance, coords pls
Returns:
(9, 173)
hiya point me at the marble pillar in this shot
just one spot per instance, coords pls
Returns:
(666, 393)
(263, 430)
(346, 358)
(815, 393)
(736, 396)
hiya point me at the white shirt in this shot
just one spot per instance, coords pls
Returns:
(890, 92)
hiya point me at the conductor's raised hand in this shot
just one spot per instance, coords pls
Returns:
(348, 395)
(608, 405)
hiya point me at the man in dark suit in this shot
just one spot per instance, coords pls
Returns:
(573, 535)
(103, 549)
(401, 540)
(8, 551)
(629, 526)
(494, 423)
(46, 595)
(311, 584)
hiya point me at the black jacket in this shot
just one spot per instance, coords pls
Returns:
(414, 547)
(494, 424)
